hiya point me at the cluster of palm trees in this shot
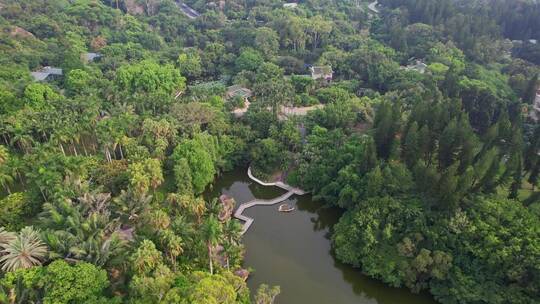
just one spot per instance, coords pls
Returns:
(56, 154)
(66, 127)
(91, 228)
(83, 230)
(222, 239)
(66, 124)
(25, 248)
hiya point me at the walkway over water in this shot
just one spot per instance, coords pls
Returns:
(260, 202)
(280, 184)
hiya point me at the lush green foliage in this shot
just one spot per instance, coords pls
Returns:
(437, 171)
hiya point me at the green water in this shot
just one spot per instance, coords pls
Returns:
(293, 250)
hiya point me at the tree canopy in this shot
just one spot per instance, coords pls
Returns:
(117, 116)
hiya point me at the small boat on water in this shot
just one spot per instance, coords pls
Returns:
(285, 208)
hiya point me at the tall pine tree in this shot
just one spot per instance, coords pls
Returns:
(386, 125)
(411, 147)
(369, 157)
(447, 145)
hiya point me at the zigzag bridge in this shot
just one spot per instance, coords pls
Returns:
(260, 202)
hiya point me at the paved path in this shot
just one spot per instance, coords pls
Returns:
(260, 202)
(188, 11)
(241, 111)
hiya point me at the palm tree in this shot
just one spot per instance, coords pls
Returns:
(104, 138)
(266, 294)
(75, 140)
(154, 171)
(24, 251)
(24, 142)
(16, 165)
(214, 206)
(5, 130)
(95, 202)
(5, 179)
(211, 233)
(158, 220)
(232, 232)
(146, 258)
(173, 245)
(58, 138)
(130, 206)
(198, 208)
(230, 250)
(4, 154)
(43, 128)
(185, 229)
(99, 250)
(195, 206)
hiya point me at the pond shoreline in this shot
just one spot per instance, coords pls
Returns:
(294, 251)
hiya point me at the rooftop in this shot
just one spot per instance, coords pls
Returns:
(322, 70)
(91, 56)
(45, 72)
(290, 5)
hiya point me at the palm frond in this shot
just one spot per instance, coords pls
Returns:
(5, 237)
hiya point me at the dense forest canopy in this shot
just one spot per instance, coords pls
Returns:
(418, 118)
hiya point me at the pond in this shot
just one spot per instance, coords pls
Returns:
(293, 250)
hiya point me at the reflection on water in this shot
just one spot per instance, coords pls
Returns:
(293, 250)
